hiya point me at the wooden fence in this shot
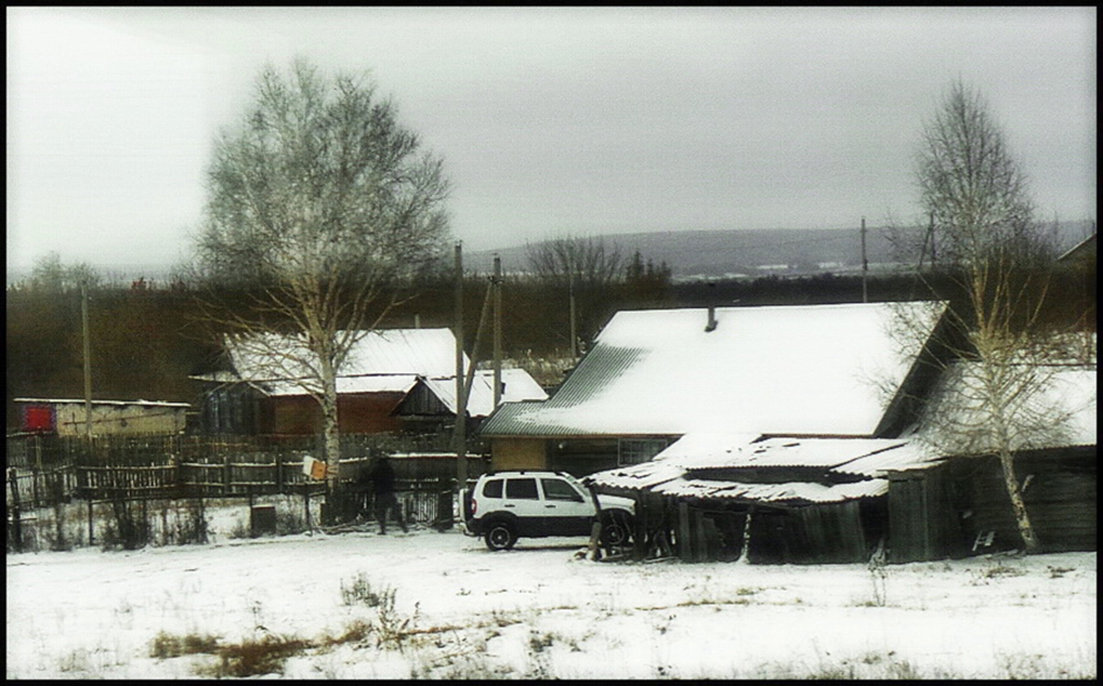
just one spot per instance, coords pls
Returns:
(42, 473)
(44, 451)
(30, 488)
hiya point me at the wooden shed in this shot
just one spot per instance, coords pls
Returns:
(960, 506)
(772, 499)
(957, 504)
(69, 417)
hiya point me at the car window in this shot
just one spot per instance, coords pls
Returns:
(558, 489)
(521, 489)
(492, 488)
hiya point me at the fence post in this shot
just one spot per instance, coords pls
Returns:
(225, 475)
(34, 486)
(279, 473)
(91, 531)
(17, 525)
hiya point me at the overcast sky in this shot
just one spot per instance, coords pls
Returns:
(555, 121)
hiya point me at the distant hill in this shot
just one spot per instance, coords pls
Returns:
(760, 252)
(112, 274)
(693, 254)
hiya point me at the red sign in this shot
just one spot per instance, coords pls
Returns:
(39, 418)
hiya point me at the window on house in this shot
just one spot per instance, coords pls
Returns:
(637, 450)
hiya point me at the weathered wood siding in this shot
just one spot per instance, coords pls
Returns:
(1060, 498)
(810, 534)
(582, 456)
(361, 413)
(517, 453)
(813, 534)
(962, 507)
(70, 419)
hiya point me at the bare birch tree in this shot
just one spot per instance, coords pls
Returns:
(999, 260)
(321, 207)
(585, 268)
(586, 262)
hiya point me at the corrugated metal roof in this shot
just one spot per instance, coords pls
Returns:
(783, 370)
(793, 493)
(711, 451)
(637, 477)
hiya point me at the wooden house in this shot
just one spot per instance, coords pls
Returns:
(396, 380)
(772, 499)
(708, 416)
(653, 376)
(1083, 253)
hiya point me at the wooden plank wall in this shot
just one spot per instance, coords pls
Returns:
(962, 508)
(1060, 502)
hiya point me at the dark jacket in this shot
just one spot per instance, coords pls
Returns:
(382, 476)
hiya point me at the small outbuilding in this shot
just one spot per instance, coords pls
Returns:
(69, 417)
(957, 504)
(770, 499)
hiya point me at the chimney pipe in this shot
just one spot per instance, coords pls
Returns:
(711, 325)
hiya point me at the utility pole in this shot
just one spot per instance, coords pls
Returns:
(87, 364)
(930, 230)
(865, 263)
(497, 330)
(570, 291)
(460, 437)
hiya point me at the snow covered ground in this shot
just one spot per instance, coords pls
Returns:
(439, 605)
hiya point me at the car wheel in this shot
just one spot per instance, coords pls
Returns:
(500, 536)
(615, 529)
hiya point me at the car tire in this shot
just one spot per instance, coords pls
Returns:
(616, 529)
(500, 536)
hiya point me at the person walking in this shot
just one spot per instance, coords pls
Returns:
(382, 476)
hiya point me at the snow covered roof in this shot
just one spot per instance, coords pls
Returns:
(384, 360)
(1085, 249)
(797, 492)
(860, 456)
(811, 370)
(637, 477)
(517, 384)
(695, 452)
(77, 401)
(366, 383)
(425, 352)
(1061, 413)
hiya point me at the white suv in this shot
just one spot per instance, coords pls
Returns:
(505, 506)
